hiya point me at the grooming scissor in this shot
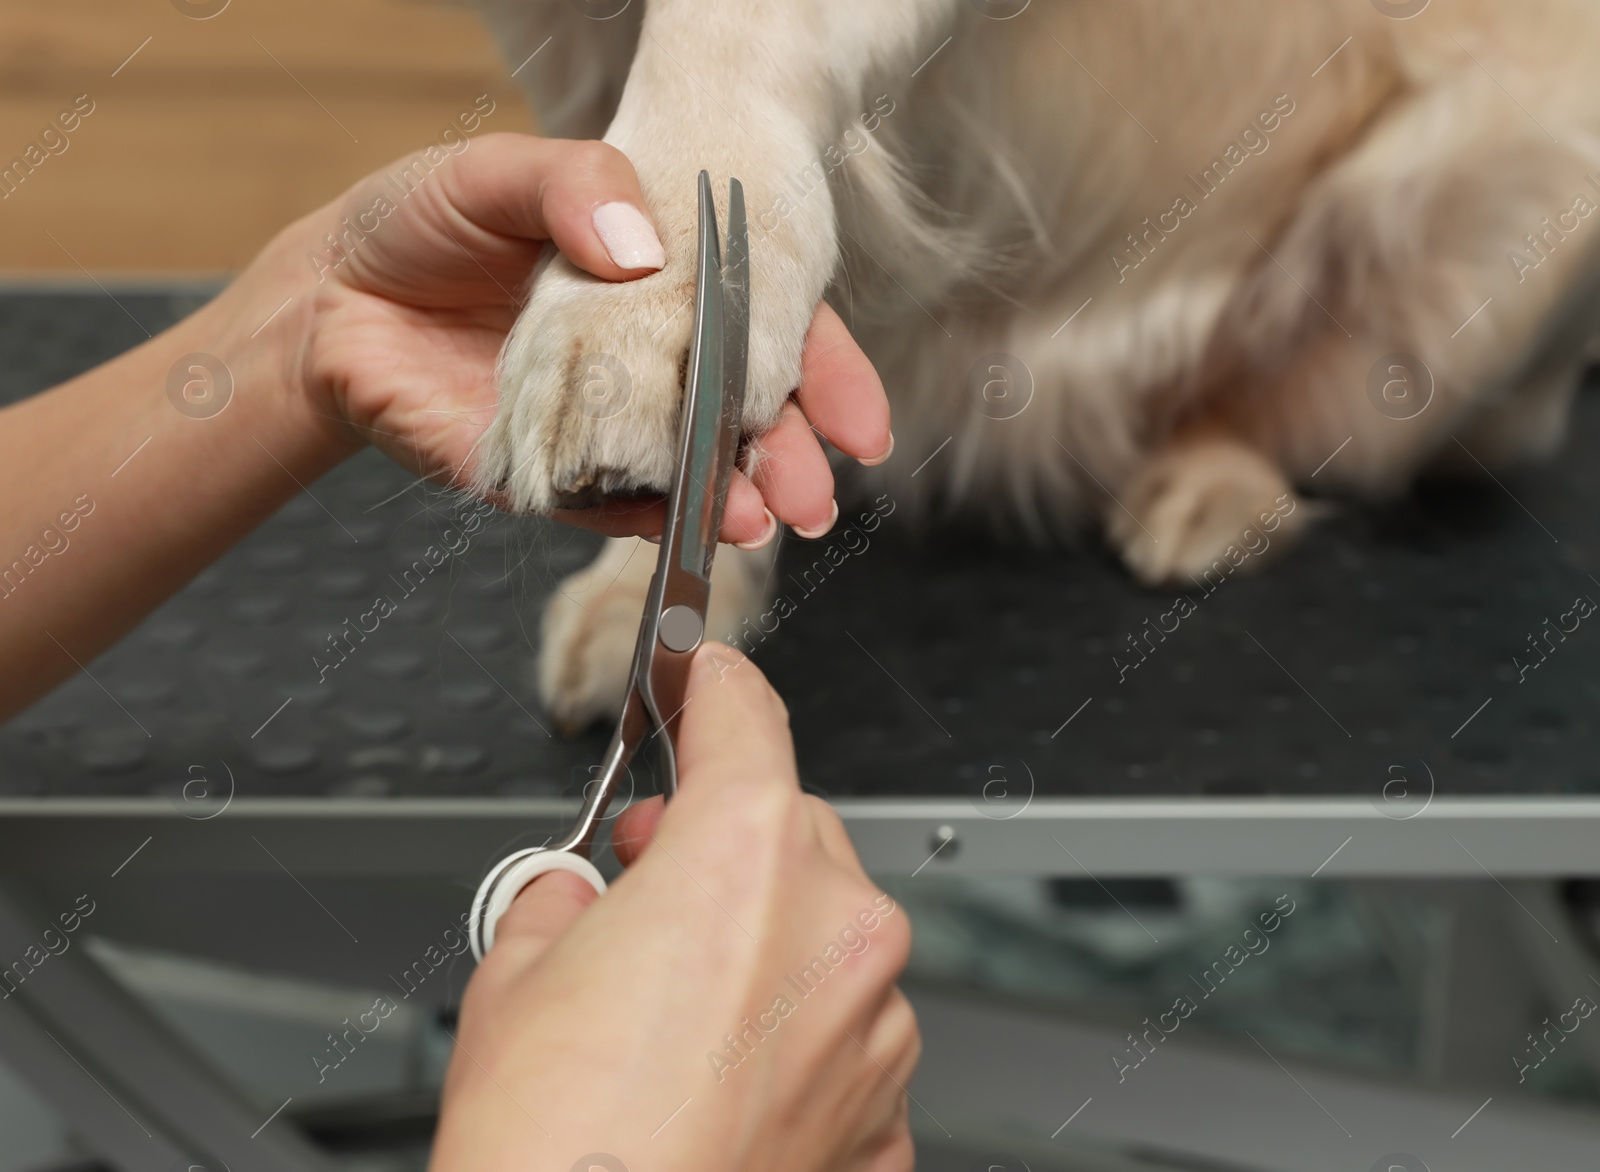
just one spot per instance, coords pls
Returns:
(675, 610)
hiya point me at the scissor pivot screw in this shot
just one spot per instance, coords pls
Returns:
(680, 628)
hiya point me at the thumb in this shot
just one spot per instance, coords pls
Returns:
(584, 196)
(735, 727)
(735, 730)
(541, 914)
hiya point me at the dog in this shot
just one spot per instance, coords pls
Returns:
(1157, 267)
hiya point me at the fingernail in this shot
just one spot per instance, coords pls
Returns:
(767, 535)
(887, 452)
(628, 236)
(813, 534)
(656, 540)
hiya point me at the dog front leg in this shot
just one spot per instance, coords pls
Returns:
(757, 89)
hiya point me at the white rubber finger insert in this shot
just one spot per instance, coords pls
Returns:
(508, 879)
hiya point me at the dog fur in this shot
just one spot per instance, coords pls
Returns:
(1193, 237)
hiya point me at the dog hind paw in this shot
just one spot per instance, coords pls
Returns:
(591, 624)
(1203, 503)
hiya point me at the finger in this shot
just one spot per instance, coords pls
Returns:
(634, 829)
(746, 520)
(734, 726)
(542, 912)
(618, 518)
(841, 393)
(881, 1132)
(885, 1054)
(585, 196)
(789, 467)
(895, 1152)
(636, 826)
(831, 834)
(895, 1041)
(880, 1062)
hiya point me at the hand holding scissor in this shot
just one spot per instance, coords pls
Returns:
(729, 1003)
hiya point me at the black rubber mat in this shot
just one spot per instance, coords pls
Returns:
(939, 664)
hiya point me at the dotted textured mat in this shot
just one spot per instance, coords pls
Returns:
(945, 664)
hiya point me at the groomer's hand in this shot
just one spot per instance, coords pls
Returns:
(405, 326)
(729, 1004)
(376, 319)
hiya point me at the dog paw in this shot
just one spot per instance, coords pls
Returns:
(1203, 504)
(591, 378)
(591, 624)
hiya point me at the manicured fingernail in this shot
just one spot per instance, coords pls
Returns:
(628, 236)
(767, 534)
(813, 534)
(887, 452)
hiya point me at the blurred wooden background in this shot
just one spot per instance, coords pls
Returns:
(217, 132)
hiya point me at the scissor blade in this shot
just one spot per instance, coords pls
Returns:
(703, 485)
(735, 348)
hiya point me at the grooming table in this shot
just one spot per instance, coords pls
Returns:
(934, 681)
(1353, 712)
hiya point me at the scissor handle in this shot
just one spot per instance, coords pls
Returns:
(506, 881)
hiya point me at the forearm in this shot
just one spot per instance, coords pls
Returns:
(114, 497)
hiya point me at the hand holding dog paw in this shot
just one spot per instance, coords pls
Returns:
(417, 291)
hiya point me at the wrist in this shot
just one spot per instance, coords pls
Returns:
(261, 328)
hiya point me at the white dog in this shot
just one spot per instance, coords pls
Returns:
(1145, 263)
